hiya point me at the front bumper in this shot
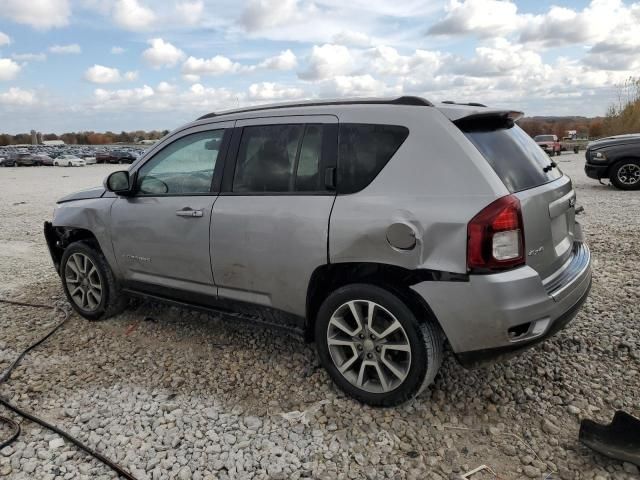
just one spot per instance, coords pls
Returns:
(495, 316)
(596, 171)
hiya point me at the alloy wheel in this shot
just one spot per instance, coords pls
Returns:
(83, 282)
(629, 174)
(369, 346)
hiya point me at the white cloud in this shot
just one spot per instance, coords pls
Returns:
(123, 96)
(327, 61)
(354, 86)
(286, 60)
(131, 76)
(386, 60)
(29, 57)
(190, 12)
(162, 54)
(117, 50)
(17, 96)
(165, 87)
(191, 78)
(39, 14)
(481, 17)
(131, 15)
(73, 48)
(8, 69)
(4, 39)
(259, 14)
(217, 65)
(102, 74)
(273, 91)
(352, 39)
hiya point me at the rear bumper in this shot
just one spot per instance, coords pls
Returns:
(596, 171)
(491, 317)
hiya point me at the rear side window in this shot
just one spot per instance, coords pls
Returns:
(364, 150)
(514, 156)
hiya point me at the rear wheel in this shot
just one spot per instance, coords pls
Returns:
(558, 153)
(89, 282)
(625, 174)
(575, 149)
(373, 347)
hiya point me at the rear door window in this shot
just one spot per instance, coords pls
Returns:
(519, 162)
(364, 150)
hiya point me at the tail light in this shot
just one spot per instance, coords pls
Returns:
(496, 237)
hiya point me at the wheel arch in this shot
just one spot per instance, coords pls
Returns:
(398, 280)
(59, 238)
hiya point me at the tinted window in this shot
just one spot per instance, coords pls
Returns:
(364, 150)
(184, 167)
(514, 156)
(279, 158)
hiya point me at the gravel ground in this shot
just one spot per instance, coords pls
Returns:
(170, 393)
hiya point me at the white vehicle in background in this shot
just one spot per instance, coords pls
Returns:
(90, 160)
(68, 161)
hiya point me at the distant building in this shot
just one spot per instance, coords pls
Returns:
(52, 143)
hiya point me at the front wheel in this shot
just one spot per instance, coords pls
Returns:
(373, 346)
(89, 283)
(625, 174)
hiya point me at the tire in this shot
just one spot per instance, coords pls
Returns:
(558, 153)
(575, 149)
(625, 175)
(417, 368)
(111, 301)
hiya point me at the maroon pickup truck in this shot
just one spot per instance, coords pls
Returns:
(549, 143)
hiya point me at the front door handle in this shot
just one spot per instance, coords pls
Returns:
(189, 212)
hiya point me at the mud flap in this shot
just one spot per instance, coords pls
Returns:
(620, 439)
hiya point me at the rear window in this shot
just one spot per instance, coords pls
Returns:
(514, 156)
(364, 150)
(544, 138)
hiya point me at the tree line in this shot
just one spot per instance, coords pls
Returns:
(86, 138)
(623, 116)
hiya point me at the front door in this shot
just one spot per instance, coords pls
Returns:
(270, 223)
(161, 234)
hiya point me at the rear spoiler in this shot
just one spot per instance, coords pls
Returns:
(488, 120)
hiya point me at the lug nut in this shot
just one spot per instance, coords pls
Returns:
(361, 336)
(359, 347)
(369, 355)
(373, 337)
(377, 349)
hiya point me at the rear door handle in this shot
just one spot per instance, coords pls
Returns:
(189, 212)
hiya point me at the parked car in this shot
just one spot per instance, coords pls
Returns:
(7, 162)
(380, 229)
(69, 161)
(23, 159)
(121, 156)
(549, 143)
(103, 157)
(616, 158)
(44, 159)
(89, 159)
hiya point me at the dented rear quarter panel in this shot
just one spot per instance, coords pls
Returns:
(434, 184)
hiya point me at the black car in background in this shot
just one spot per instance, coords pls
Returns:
(122, 156)
(616, 158)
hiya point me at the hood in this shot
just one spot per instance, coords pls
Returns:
(95, 192)
(616, 140)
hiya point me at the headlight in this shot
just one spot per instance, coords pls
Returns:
(598, 156)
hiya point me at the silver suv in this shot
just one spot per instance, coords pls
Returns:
(380, 229)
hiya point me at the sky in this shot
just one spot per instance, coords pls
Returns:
(70, 65)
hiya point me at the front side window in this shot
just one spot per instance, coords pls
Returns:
(184, 167)
(279, 158)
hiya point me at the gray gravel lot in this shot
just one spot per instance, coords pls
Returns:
(170, 393)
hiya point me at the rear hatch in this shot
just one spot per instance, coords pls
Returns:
(546, 196)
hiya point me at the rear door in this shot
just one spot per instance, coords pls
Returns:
(270, 224)
(546, 195)
(161, 234)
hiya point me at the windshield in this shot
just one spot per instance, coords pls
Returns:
(519, 162)
(543, 138)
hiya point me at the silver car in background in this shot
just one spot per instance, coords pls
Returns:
(380, 229)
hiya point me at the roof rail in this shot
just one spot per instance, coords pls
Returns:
(404, 100)
(470, 104)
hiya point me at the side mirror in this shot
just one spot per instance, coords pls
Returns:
(119, 183)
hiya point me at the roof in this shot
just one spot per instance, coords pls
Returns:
(404, 100)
